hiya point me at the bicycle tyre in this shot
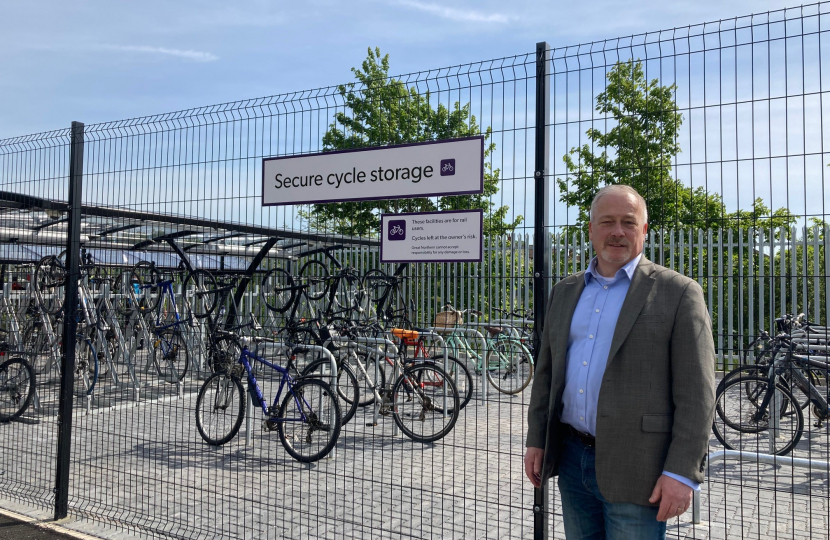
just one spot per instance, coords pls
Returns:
(761, 370)
(347, 387)
(347, 298)
(50, 281)
(17, 388)
(223, 392)
(315, 401)
(200, 296)
(171, 356)
(278, 290)
(143, 286)
(86, 368)
(36, 344)
(376, 282)
(457, 371)
(315, 275)
(738, 427)
(415, 398)
(515, 367)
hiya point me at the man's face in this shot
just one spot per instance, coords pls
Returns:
(618, 229)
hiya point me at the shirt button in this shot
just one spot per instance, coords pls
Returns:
(597, 310)
(581, 391)
(605, 286)
(590, 336)
(584, 363)
(582, 418)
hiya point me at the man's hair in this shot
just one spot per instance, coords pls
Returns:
(621, 189)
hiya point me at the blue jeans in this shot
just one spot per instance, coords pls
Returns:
(588, 516)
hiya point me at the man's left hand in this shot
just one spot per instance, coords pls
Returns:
(674, 497)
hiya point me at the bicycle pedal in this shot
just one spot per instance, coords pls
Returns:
(371, 424)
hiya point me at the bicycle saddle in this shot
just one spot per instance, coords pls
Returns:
(494, 330)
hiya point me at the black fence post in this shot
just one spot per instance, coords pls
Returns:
(541, 245)
(70, 324)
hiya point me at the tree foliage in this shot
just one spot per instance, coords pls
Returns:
(383, 111)
(638, 150)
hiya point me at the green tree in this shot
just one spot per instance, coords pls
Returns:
(385, 112)
(638, 150)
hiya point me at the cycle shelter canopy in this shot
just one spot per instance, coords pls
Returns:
(33, 227)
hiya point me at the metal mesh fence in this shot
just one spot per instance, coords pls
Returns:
(719, 125)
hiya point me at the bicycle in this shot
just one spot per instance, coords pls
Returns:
(423, 395)
(751, 408)
(221, 400)
(455, 368)
(509, 363)
(386, 291)
(343, 288)
(170, 355)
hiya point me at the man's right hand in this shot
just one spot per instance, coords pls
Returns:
(533, 465)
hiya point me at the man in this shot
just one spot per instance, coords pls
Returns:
(623, 397)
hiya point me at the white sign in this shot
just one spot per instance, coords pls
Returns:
(432, 237)
(454, 167)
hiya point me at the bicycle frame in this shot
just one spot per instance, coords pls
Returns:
(244, 359)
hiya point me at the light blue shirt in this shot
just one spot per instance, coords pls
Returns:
(589, 342)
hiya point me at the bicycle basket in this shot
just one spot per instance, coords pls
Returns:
(448, 319)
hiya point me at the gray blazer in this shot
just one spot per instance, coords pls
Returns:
(657, 397)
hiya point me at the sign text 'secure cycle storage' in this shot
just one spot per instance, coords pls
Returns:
(435, 168)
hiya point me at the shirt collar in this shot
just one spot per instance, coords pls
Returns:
(629, 268)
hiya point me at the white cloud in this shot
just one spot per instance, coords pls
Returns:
(464, 15)
(197, 56)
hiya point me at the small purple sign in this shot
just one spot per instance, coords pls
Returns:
(447, 167)
(396, 229)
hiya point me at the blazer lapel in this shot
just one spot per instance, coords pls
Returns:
(572, 290)
(635, 299)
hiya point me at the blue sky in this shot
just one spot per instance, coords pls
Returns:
(97, 61)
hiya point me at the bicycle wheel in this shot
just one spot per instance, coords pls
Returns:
(50, 283)
(17, 388)
(200, 296)
(123, 299)
(425, 403)
(375, 376)
(143, 286)
(278, 290)
(308, 421)
(460, 375)
(376, 283)
(315, 275)
(171, 356)
(740, 425)
(86, 368)
(36, 343)
(510, 366)
(348, 296)
(220, 408)
(347, 388)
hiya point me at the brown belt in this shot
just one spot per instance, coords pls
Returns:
(584, 438)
